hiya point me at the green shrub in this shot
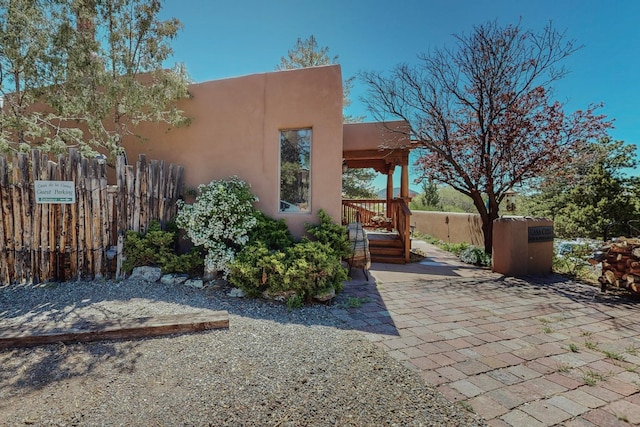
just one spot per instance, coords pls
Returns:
(475, 255)
(294, 301)
(257, 269)
(574, 262)
(455, 248)
(330, 233)
(273, 233)
(313, 268)
(307, 268)
(156, 248)
(273, 262)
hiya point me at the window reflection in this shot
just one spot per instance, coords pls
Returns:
(295, 170)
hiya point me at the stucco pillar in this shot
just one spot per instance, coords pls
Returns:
(522, 246)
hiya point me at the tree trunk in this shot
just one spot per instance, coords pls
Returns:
(487, 216)
(487, 231)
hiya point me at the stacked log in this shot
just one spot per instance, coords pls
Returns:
(620, 264)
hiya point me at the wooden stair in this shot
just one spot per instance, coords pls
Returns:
(386, 248)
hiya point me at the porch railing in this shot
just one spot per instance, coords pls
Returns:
(401, 218)
(368, 208)
(373, 213)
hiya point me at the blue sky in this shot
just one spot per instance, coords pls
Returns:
(226, 38)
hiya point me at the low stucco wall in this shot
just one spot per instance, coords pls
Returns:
(450, 227)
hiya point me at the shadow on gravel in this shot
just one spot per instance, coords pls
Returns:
(29, 369)
(76, 304)
(33, 307)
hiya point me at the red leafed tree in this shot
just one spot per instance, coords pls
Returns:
(483, 112)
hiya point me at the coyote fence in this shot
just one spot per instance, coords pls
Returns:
(54, 241)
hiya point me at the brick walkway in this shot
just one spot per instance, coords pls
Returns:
(536, 352)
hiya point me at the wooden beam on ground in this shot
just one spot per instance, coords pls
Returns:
(126, 328)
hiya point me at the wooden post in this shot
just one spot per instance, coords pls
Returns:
(389, 189)
(37, 238)
(74, 160)
(121, 196)
(43, 242)
(97, 248)
(6, 250)
(119, 255)
(404, 182)
(131, 200)
(36, 221)
(18, 216)
(52, 230)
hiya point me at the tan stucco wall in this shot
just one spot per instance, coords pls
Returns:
(373, 136)
(235, 131)
(450, 227)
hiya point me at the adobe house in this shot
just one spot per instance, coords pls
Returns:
(282, 132)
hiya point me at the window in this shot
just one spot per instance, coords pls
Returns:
(295, 170)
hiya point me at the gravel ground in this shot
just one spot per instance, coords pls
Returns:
(270, 367)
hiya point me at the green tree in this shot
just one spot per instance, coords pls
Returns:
(27, 58)
(483, 113)
(97, 65)
(592, 192)
(429, 199)
(306, 53)
(356, 183)
(455, 201)
(430, 193)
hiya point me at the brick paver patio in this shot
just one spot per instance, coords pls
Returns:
(538, 351)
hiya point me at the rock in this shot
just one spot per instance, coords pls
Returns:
(146, 273)
(236, 293)
(194, 283)
(210, 275)
(282, 296)
(325, 296)
(174, 279)
(218, 284)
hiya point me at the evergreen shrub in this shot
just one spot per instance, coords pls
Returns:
(156, 247)
(274, 263)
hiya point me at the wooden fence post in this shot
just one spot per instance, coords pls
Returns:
(46, 241)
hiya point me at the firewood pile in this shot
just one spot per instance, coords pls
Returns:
(620, 264)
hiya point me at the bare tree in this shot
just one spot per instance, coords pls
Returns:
(482, 112)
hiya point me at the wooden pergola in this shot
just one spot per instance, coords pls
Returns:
(382, 147)
(384, 161)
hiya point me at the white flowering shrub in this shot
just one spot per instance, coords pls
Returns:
(219, 221)
(475, 255)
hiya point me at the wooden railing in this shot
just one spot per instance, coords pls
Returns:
(368, 209)
(401, 218)
(373, 213)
